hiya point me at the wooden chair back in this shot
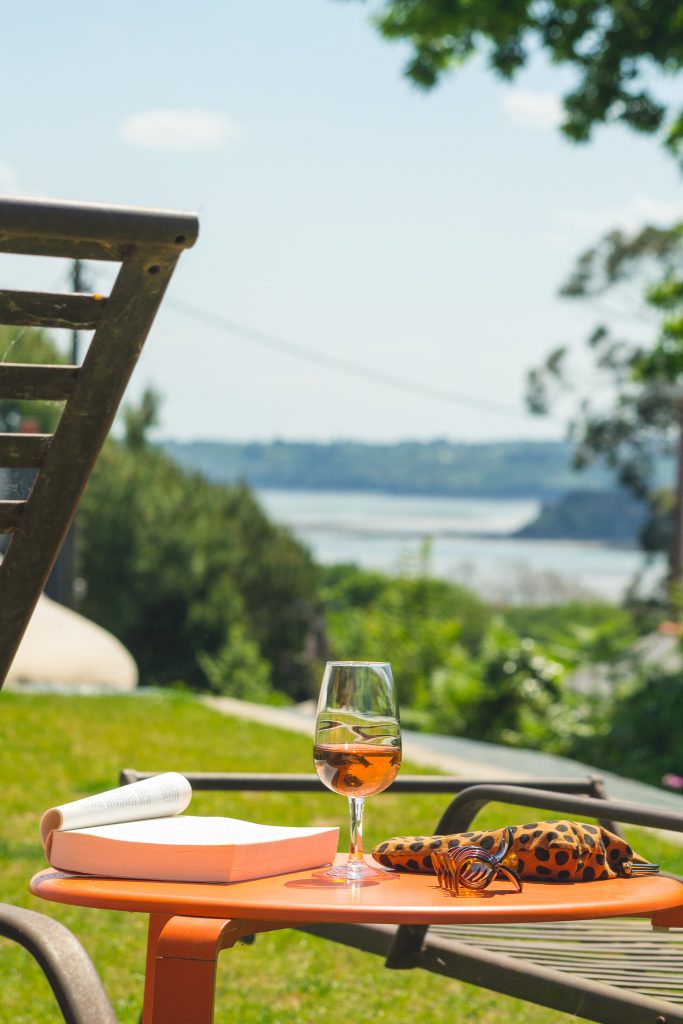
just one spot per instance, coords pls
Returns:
(146, 244)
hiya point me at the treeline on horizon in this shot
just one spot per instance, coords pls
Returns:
(505, 469)
(582, 506)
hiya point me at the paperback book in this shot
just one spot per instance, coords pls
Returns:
(139, 831)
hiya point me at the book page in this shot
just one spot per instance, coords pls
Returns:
(189, 830)
(162, 795)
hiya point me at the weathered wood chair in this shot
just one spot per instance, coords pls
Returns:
(609, 971)
(146, 244)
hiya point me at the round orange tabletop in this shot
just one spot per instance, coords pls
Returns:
(303, 897)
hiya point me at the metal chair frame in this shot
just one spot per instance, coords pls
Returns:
(608, 971)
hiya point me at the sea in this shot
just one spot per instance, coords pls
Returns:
(465, 540)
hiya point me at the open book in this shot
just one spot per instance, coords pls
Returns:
(138, 831)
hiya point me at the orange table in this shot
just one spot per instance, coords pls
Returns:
(190, 923)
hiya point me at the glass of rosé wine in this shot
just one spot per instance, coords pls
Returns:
(357, 746)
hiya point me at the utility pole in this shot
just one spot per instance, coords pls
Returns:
(60, 585)
(77, 285)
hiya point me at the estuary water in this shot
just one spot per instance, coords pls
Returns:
(468, 543)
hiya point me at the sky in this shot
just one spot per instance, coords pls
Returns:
(418, 237)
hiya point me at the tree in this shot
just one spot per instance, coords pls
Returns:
(191, 575)
(138, 420)
(634, 424)
(426, 623)
(613, 45)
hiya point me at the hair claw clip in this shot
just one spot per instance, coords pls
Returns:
(473, 868)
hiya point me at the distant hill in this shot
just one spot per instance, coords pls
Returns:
(515, 469)
(615, 517)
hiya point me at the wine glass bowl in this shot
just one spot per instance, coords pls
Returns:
(360, 772)
(357, 746)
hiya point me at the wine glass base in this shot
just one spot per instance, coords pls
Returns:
(356, 871)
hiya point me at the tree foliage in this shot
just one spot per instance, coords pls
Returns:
(461, 670)
(642, 730)
(595, 631)
(238, 669)
(423, 623)
(512, 690)
(612, 45)
(181, 570)
(632, 424)
(488, 469)
(138, 420)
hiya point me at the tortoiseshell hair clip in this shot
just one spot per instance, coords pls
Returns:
(473, 868)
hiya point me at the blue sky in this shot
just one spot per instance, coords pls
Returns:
(341, 210)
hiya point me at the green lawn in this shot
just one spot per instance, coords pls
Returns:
(54, 749)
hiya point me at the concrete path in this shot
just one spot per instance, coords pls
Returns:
(467, 758)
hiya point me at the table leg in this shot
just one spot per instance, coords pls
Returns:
(180, 978)
(668, 918)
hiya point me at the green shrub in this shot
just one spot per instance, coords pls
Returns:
(417, 623)
(172, 563)
(512, 693)
(583, 631)
(238, 670)
(641, 734)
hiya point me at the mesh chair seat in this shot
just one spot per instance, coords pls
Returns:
(624, 952)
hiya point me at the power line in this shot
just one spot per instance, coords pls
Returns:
(223, 323)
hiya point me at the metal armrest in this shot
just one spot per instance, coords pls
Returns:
(66, 965)
(464, 808)
(307, 782)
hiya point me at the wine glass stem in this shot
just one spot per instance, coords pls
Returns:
(356, 816)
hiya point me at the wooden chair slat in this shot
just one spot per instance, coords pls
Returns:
(23, 451)
(65, 248)
(31, 381)
(49, 309)
(11, 514)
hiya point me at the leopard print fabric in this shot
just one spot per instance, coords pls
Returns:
(547, 851)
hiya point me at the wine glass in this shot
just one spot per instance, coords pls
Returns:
(357, 746)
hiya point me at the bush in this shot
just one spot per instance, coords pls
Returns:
(238, 670)
(512, 694)
(459, 671)
(581, 631)
(418, 623)
(173, 563)
(642, 730)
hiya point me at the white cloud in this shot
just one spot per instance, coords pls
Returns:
(531, 109)
(9, 182)
(637, 211)
(177, 131)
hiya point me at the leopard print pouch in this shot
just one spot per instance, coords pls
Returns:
(543, 851)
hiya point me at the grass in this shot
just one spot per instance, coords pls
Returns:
(54, 749)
